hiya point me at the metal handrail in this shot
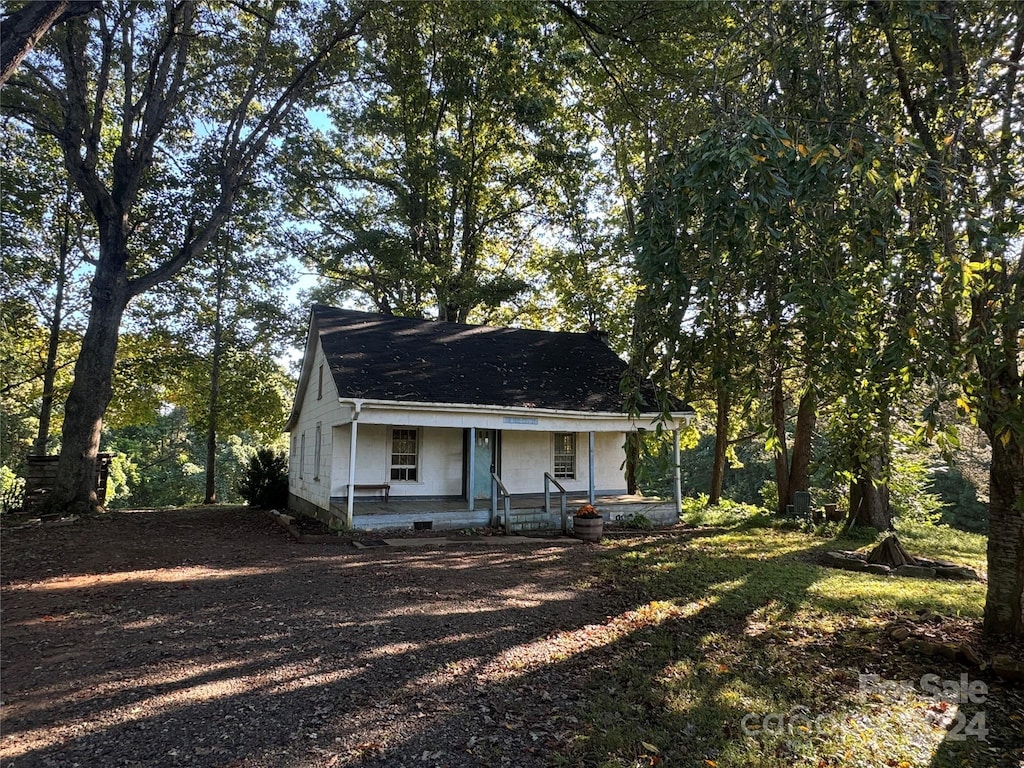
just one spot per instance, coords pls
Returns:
(498, 488)
(548, 480)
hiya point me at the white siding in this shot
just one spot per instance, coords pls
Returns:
(326, 411)
(526, 456)
(440, 461)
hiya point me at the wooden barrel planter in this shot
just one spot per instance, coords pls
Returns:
(588, 528)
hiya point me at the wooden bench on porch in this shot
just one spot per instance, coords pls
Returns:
(384, 488)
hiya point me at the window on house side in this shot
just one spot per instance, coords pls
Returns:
(302, 455)
(316, 455)
(565, 456)
(404, 455)
(320, 384)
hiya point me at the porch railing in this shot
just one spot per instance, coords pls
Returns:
(498, 489)
(549, 480)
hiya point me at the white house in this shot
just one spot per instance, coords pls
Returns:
(391, 410)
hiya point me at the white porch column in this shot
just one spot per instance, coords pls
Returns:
(591, 444)
(676, 480)
(352, 469)
(471, 480)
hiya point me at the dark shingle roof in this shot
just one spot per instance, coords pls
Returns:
(381, 357)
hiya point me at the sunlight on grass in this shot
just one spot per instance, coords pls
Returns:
(939, 542)
(723, 587)
(856, 593)
(565, 645)
(768, 674)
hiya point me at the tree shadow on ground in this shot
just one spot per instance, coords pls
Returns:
(245, 649)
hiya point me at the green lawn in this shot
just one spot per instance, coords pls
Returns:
(736, 625)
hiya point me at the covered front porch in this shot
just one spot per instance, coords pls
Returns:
(397, 464)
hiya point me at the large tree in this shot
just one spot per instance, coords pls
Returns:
(425, 195)
(957, 71)
(149, 103)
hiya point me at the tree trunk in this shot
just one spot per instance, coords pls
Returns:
(50, 372)
(211, 425)
(869, 491)
(632, 460)
(1004, 602)
(721, 442)
(782, 471)
(803, 443)
(869, 500)
(75, 485)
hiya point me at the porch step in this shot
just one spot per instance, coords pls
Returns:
(531, 520)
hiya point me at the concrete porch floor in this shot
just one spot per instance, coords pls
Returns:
(402, 506)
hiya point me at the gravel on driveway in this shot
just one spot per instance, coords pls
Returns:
(208, 637)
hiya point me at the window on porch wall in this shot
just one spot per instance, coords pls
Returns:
(404, 454)
(565, 456)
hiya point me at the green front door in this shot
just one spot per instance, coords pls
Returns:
(483, 462)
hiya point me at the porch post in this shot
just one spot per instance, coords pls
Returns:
(471, 480)
(352, 469)
(591, 442)
(676, 480)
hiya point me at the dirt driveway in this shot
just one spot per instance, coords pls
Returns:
(210, 638)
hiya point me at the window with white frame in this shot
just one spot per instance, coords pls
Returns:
(320, 384)
(316, 454)
(565, 456)
(405, 454)
(302, 455)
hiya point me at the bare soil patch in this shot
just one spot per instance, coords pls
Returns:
(208, 637)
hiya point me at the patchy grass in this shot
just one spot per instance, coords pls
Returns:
(757, 656)
(945, 543)
(697, 512)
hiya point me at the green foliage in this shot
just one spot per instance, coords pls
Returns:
(122, 475)
(264, 483)
(745, 475)
(159, 462)
(153, 472)
(636, 521)
(697, 511)
(423, 198)
(961, 508)
(12, 491)
(769, 494)
(910, 490)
